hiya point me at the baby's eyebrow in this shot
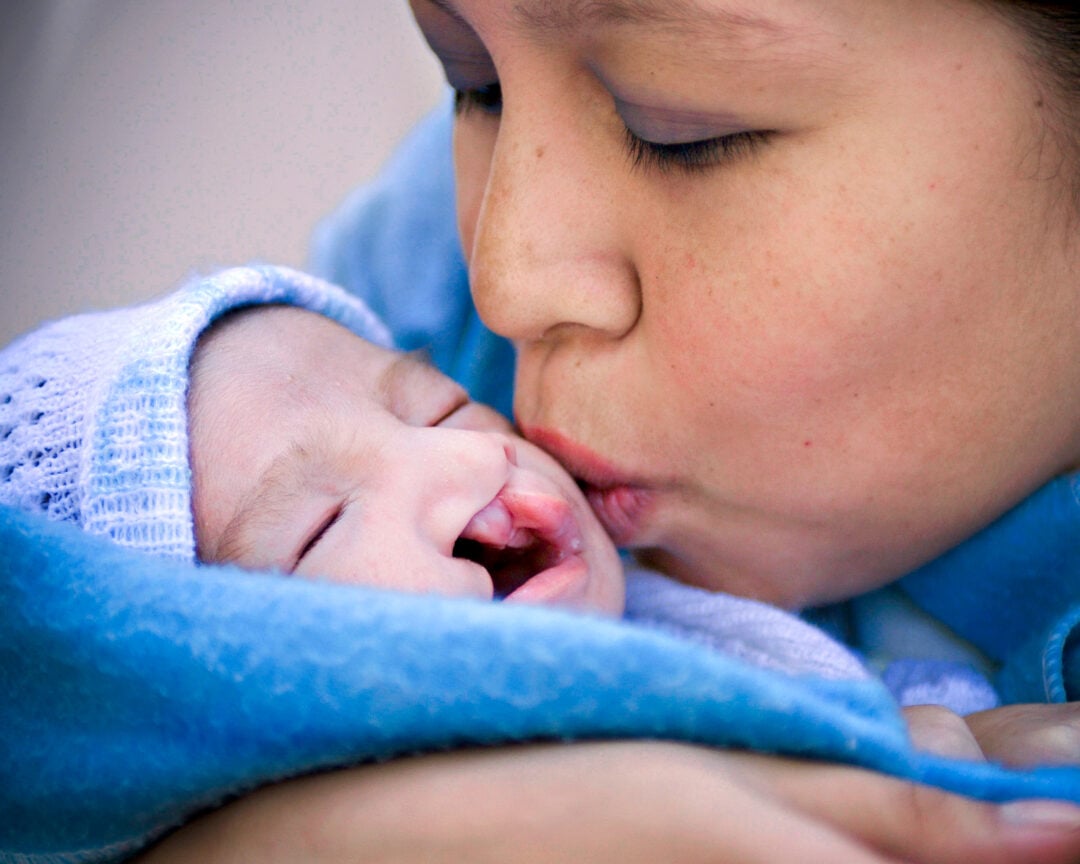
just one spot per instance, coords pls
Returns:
(268, 500)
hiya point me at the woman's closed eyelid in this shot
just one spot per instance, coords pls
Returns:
(660, 124)
(660, 137)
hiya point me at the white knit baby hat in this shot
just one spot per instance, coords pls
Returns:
(93, 408)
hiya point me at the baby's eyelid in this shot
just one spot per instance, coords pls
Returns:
(321, 528)
(459, 404)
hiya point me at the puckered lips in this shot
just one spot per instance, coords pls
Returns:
(620, 502)
(530, 544)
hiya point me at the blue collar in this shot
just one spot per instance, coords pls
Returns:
(1012, 579)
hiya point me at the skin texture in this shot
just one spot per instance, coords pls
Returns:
(317, 453)
(826, 355)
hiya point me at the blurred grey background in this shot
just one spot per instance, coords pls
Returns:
(144, 139)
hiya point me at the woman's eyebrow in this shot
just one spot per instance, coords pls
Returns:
(679, 15)
(674, 16)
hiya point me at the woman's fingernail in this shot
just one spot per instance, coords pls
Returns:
(1042, 813)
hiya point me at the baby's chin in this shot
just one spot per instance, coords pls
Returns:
(600, 588)
(572, 584)
(603, 586)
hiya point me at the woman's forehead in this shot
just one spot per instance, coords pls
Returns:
(732, 18)
(476, 40)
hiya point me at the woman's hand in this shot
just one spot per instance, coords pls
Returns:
(622, 802)
(1029, 734)
(1019, 735)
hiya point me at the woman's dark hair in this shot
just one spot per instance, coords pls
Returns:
(1053, 34)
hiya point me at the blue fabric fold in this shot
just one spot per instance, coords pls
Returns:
(139, 691)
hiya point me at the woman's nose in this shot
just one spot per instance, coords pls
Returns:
(546, 255)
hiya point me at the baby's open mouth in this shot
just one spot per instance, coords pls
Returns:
(516, 537)
(509, 568)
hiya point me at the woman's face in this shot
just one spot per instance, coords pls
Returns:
(793, 282)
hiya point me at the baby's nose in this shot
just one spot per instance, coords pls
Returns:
(466, 456)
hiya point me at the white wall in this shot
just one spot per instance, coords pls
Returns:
(141, 139)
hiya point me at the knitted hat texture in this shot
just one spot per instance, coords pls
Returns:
(93, 408)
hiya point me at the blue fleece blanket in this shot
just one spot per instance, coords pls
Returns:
(138, 692)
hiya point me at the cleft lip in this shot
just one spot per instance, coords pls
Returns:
(518, 536)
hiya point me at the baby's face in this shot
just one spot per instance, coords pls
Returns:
(317, 453)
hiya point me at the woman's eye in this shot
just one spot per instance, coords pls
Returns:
(487, 99)
(694, 155)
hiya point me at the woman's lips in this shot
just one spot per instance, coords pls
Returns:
(619, 509)
(619, 503)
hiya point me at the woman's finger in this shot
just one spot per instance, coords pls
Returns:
(919, 823)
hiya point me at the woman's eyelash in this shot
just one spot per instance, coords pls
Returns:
(693, 155)
(685, 156)
(487, 99)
